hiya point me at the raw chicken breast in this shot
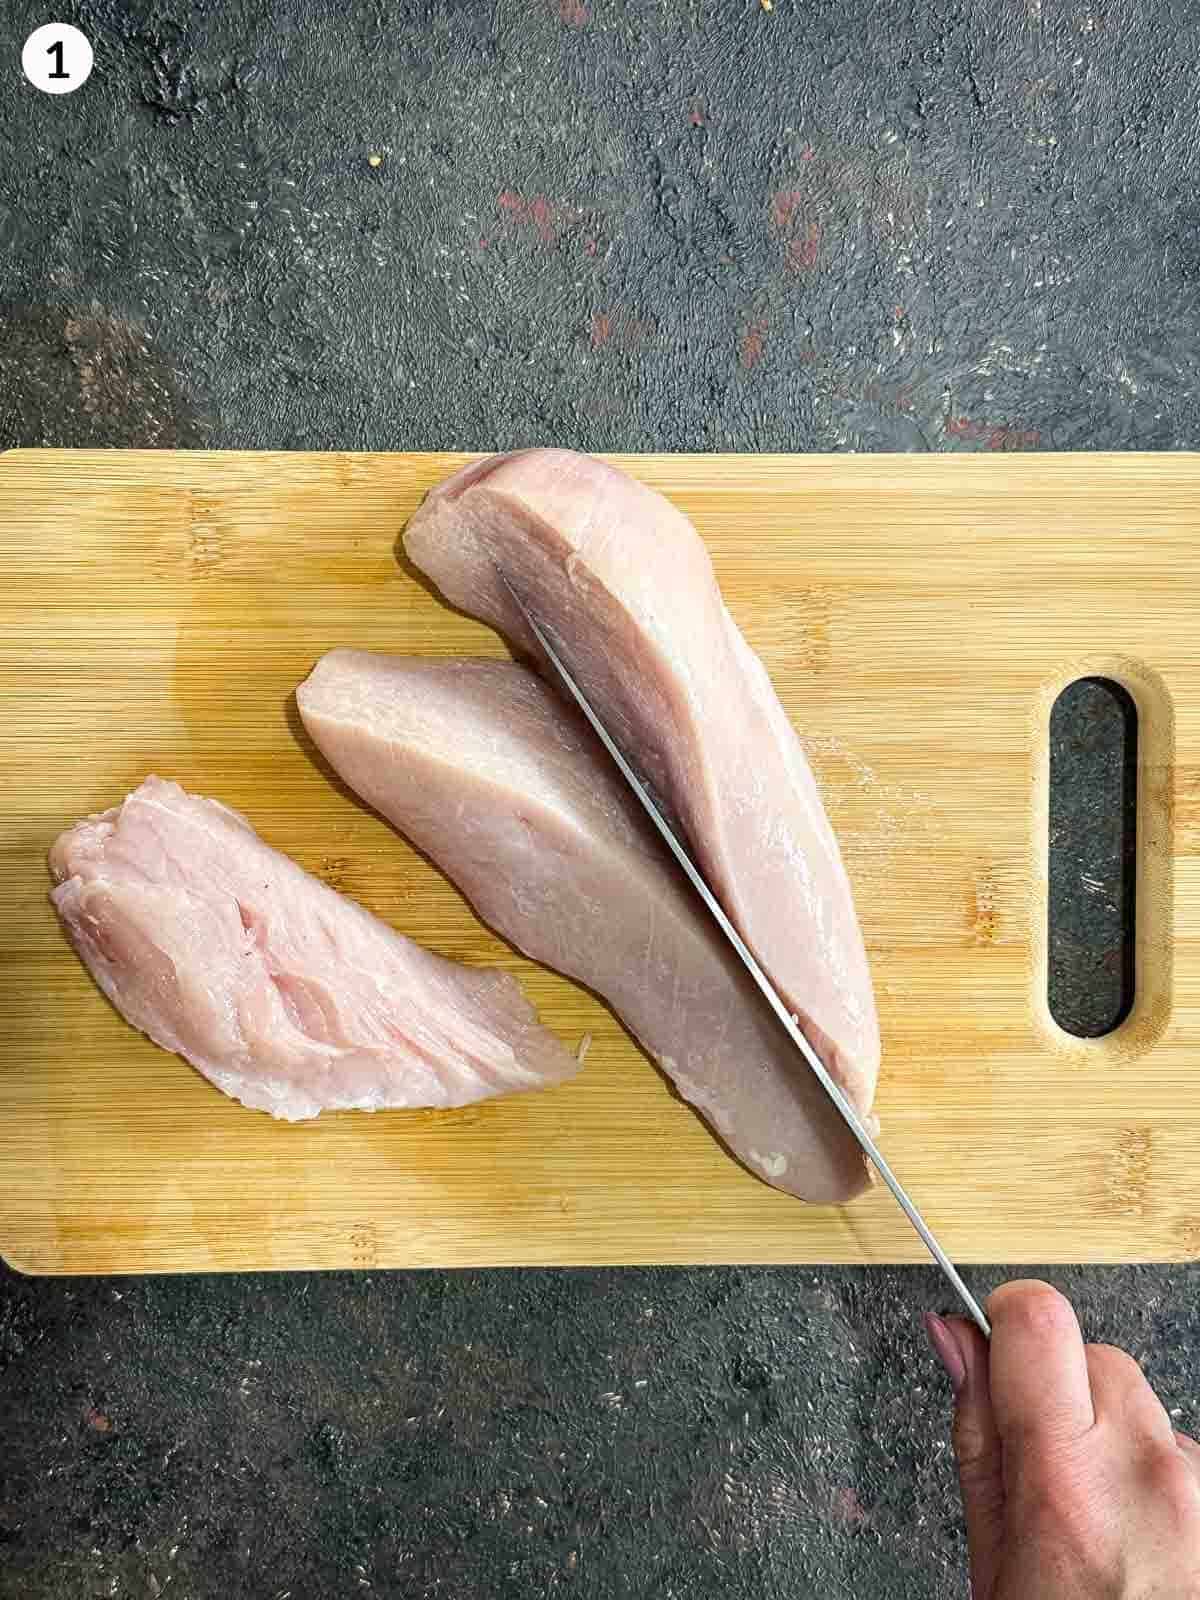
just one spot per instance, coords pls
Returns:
(624, 588)
(485, 769)
(284, 994)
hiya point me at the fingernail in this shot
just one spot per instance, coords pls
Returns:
(945, 1348)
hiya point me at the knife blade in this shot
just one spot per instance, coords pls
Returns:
(846, 1110)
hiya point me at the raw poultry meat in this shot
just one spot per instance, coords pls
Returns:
(625, 590)
(485, 769)
(284, 994)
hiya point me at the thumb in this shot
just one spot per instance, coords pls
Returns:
(964, 1352)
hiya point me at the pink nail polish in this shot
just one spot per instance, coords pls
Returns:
(945, 1348)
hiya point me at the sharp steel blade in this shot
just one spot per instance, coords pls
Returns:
(849, 1114)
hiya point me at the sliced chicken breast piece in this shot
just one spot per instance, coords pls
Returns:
(625, 590)
(488, 773)
(287, 996)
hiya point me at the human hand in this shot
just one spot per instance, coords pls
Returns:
(1074, 1483)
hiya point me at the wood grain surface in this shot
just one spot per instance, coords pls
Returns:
(917, 614)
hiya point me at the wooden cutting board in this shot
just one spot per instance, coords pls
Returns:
(918, 616)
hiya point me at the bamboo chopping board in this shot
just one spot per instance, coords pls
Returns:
(918, 616)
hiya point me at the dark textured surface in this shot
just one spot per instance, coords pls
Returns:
(728, 1432)
(695, 225)
(1092, 856)
(862, 224)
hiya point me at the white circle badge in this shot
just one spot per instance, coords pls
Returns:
(57, 58)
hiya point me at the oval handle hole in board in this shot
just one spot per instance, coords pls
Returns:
(1092, 857)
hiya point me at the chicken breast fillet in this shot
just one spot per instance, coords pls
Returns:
(625, 590)
(287, 996)
(485, 769)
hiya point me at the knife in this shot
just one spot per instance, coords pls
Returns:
(846, 1110)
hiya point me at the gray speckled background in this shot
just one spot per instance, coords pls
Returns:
(694, 224)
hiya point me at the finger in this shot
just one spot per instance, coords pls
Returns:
(1040, 1387)
(1122, 1397)
(978, 1453)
